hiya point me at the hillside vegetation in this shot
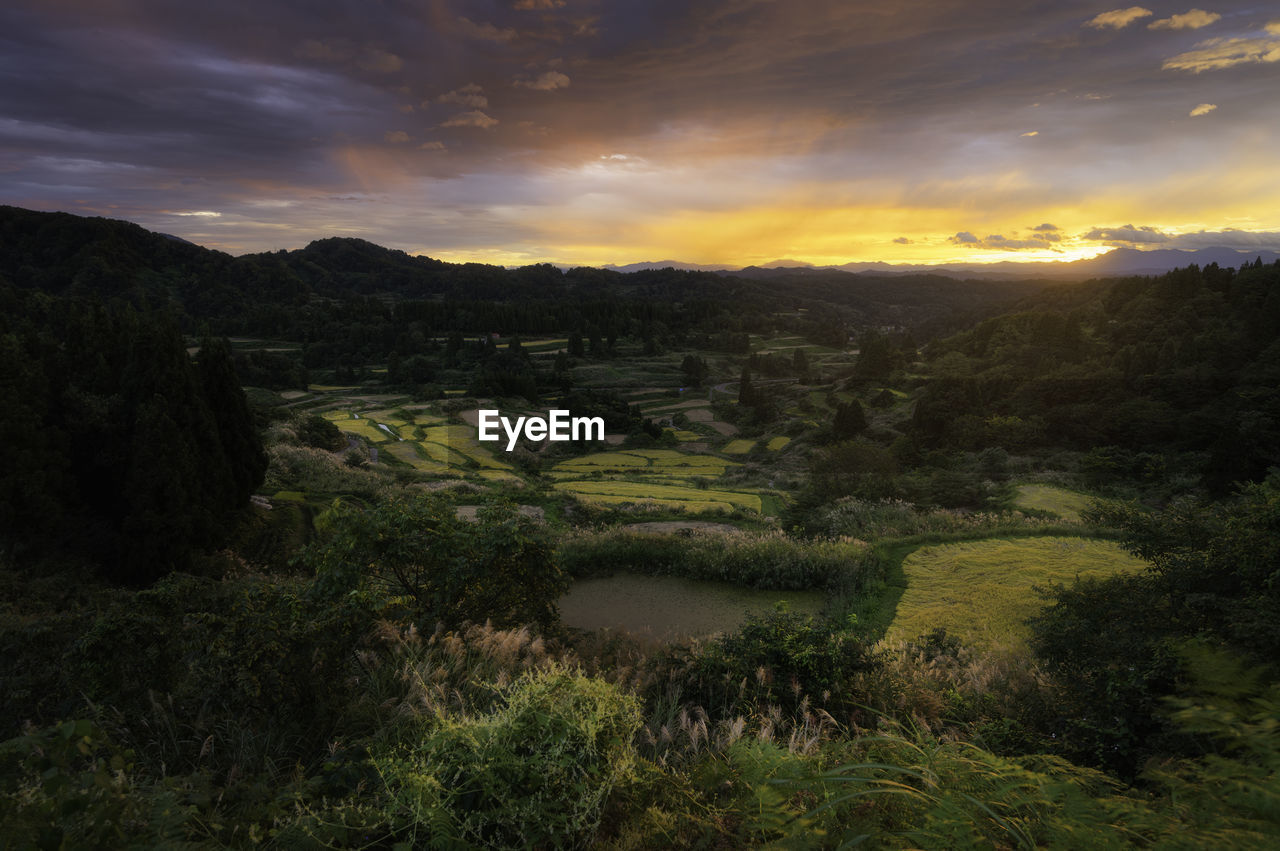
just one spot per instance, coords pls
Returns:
(263, 585)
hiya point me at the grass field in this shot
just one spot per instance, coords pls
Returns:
(410, 454)
(663, 462)
(422, 443)
(689, 498)
(1064, 503)
(982, 591)
(654, 476)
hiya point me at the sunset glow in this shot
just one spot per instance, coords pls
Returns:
(587, 132)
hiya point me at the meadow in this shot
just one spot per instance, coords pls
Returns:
(983, 591)
(1066, 504)
(662, 477)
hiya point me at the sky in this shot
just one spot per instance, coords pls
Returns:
(593, 132)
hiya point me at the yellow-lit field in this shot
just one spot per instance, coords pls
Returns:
(422, 443)
(689, 497)
(1064, 503)
(777, 443)
(981, 591)
(363, 428)
(410, 454)
(655, 476)
(739, 447)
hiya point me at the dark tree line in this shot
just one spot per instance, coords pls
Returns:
(1188, 361)
(117, 445)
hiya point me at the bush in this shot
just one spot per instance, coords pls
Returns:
(768, 560)
(782, 659)
(318, 433)
(535, 773)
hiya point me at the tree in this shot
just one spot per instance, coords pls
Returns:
(415, 551)
(850, 420)
(875, 357)
(694, 369)
(800, 364)
(746, 394)
(852, 468)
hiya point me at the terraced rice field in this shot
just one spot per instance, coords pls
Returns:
(739, 447)
(423, 443)
(661, 477)
(777, 443)
(982, 591)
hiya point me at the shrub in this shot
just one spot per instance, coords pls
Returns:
(536, 772)
(768, 560)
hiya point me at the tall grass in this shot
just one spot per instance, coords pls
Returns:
(765, 560)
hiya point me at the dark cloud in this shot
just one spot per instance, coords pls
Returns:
(1128, 235)
(547, 81)
(264, 113)
(1040, 237)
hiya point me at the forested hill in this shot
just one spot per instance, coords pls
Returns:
(1188, 361)
(63, 254)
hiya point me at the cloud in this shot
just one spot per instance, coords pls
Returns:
(475, 118)
(381, 61)
(1032, 133)
(538, 4)
(486, 31)
(396, 137)
(1218, 53)
(1143, 237)
(469, 95)
(340, 50)
(1228, 238)
(1128, 235)
(1045, 228)
(202, 214)
(1038, 238)
(546, 82)
(1203, 109)
(432, 146)
(902, 240)
(1192, 20)
(1118, 19)
(329, 50)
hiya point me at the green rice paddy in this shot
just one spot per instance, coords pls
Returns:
(983, 591)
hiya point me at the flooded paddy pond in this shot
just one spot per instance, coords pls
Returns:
(669, 607)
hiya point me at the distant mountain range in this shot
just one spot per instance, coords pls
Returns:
(1119, 261)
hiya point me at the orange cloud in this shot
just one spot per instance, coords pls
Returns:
(1118, 19)
(1192, 20)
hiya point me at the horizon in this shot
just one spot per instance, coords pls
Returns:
(580, 133)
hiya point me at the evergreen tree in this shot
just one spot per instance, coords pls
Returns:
(850, 420)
